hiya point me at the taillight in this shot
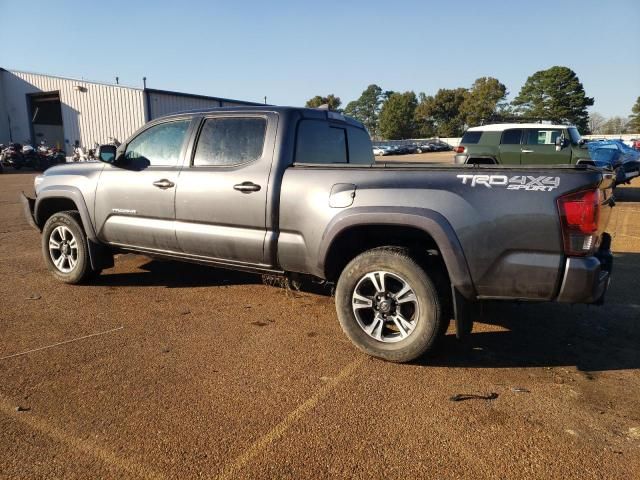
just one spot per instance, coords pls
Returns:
(459, 149)
(579, 215)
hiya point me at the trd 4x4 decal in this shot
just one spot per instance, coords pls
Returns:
(517, 182)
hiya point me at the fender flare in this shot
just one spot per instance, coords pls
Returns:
(70, 193)
(427, 220)
(100, 255)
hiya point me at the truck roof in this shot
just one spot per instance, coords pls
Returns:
(499, 127)
(310, 113)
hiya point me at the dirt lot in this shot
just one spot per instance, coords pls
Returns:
(435, 157)
(164, 370)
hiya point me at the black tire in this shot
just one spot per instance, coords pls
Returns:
(428, 318)
(81, 270)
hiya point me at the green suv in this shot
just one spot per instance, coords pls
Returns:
(522, 144)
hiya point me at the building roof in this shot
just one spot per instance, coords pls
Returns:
(499, 127)
(120, 85)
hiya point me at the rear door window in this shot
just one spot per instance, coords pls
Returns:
(228, 141)
(471, 138)
(320, 142)
(511, 137)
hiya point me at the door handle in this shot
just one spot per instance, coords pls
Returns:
(164, 184)
(247, 187)
(526, 151)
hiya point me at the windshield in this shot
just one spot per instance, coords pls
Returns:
(575, 136)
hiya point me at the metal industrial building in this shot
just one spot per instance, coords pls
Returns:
(62, 111)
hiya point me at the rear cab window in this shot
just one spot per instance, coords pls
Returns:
(324, 142)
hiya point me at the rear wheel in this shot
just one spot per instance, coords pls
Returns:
(388, 306)
(65, 249)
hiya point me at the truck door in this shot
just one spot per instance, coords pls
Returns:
(539, 147)
(134, 203)
(221, 201)
(510, 146)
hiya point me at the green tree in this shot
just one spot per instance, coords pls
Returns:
(634, 118)
(331, 100)
(366, 109)
(555, 94)
(484, 100)
(614, 126)
(441, 114)
(397, 117)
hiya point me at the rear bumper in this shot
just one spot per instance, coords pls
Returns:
(27, 208)
(586, 279)
(460, 159)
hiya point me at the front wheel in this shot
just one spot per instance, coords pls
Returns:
(65, 248)
(388, 306)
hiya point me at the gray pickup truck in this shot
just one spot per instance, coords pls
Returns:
(296, 192)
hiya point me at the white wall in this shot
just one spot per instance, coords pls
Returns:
(92, 114)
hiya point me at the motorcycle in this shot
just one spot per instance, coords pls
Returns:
(11, 156)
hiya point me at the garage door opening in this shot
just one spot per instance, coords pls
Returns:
(46, 119)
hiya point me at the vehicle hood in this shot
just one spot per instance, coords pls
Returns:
(83, 168)
(77, 175)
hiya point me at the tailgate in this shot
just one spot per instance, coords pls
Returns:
(608, 200)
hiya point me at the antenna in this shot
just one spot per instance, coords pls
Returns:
(144, 82)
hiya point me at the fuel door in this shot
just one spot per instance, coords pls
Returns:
(342, 195)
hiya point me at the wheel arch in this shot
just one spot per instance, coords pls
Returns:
(357, 230)
(54, 200)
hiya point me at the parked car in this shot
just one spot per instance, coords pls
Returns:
(617, 156)
(525, 144)
(409, 246)
(411, 148)
(440, 146)
(426, 147)
(380, 151)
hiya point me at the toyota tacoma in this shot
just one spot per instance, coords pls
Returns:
(297, 192)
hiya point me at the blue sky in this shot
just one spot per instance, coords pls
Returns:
(293, 50)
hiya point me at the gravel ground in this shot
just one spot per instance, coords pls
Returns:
(178, 371)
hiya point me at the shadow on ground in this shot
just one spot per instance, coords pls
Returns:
(628, 194)
(592, 338)
(177, 275)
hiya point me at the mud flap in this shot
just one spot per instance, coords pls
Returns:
(100, 256)
(27, 208)
(463, 311)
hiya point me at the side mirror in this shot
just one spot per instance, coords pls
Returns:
(560, 142)
(107, 153)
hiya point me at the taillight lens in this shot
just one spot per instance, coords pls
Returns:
(580, 215)
(459, 149)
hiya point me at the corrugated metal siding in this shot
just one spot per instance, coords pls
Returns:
(5, 136)
(163, 104)
(93, 115)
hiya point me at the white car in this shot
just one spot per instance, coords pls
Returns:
(379, 151)
(382, 150)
